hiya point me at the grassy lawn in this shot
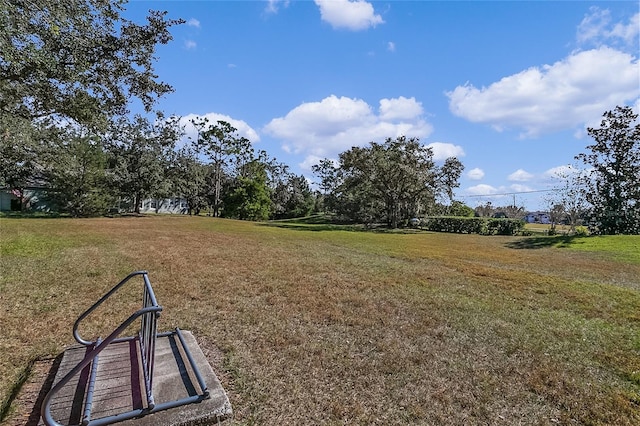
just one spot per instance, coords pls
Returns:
(325, 325)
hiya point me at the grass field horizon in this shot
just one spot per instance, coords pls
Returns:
(311, 324)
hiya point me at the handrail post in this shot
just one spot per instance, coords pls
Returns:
(147, 336)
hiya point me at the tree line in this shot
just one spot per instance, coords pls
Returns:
(85, 173)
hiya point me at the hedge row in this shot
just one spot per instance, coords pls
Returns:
(473, 225)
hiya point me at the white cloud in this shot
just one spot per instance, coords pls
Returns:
(274, 5)
(555, 97)
(442, 151)
(190, 44)
(593, 25)
(520, 188)
(400, 108)
(596, 28)
(244, 130)
(475, 174)
(482, 189)
(560, 172)
(629, 32)
(391, 46)
(353, 15)
(335, 124)
(520, 176)
(309, 161)
(193, 22)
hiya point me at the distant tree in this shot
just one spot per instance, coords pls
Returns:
(248, 198)
(78, 59)
(188, 178)
(292, 197)
(225, 149)
(140, 152)
(19, 155)
(391, 181)
(613, 185)
(485, 210)
(511, 212)
(448, 177)
(556, 215)
(568, 196)
(457, 208)
(328, 174)
(75, 172)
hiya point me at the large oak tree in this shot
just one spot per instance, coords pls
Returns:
(78, 59)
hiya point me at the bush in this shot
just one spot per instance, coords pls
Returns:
(581, 231)
(505, 226)
(473, 225)
(459, 225)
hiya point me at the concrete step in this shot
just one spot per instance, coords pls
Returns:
(119, 386)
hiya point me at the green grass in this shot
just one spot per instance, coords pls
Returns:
(318, 324)
(625, 248)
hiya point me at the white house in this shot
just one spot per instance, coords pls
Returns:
(173, 205)
(538, 217)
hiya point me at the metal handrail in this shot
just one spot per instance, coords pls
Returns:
(147, 335)
(76, 334)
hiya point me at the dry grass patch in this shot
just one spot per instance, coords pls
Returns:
(330, 327)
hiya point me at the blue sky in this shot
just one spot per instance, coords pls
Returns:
(508, 87)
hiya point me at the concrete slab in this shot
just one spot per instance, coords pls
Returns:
(120, 388)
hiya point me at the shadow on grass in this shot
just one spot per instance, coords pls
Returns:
(51, 215)
(531, 243)
(319, 223)
(31, 215)
(314, 227)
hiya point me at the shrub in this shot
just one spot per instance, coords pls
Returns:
(581, 231)
(459, 225)
(473, 225)
(505, 226)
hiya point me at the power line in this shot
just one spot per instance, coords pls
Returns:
(506, 193)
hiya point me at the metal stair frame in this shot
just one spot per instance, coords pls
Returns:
(147, 335)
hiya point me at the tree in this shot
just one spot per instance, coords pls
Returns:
(457, 208)
(225, 150)
(568, 197)
(613, 185)
(391, 181)
(511, 211)
(248, 198)
(19, 153)
(292, 197)
(449, 177)
(78, 59)
(75, 171)
(556, 214)
(140, 152)
(328, 173)
(188, 175)
(485, 210)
